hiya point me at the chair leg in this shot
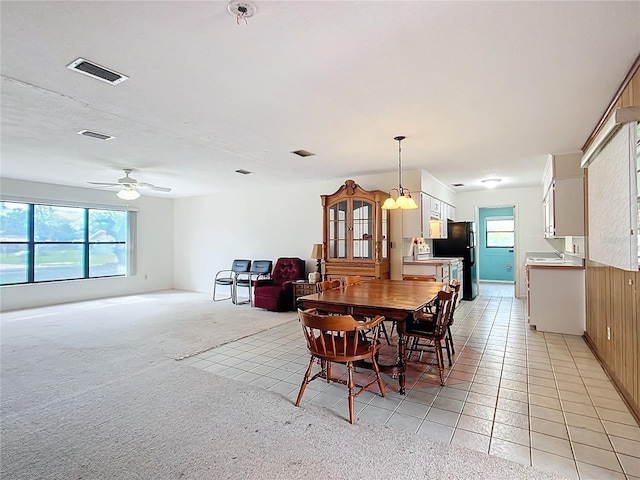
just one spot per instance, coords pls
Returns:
(305, 381)
(440, 358)
(414, 346)
(453, 350)
(384, 332)
(446, 345)
(352, 397)
(376, 369)
(224, 298)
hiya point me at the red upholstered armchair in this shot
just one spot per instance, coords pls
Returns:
(276, 293)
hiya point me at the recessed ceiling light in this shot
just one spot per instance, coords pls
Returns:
(491, 182)
(99, 136)
(97, 71)
(243, 171)
(303, 153)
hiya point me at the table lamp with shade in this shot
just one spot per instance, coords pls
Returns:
(316, 253)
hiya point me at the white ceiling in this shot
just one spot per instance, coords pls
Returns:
(480, 89)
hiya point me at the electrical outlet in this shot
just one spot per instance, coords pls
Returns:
(608, 333)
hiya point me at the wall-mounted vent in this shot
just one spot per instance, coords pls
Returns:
(458, 184)
(243, 171)
(99, 136)
(96, 71)
(303, 153)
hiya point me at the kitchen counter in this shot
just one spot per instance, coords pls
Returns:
(556, 293)
(433, 261)
(553, 260)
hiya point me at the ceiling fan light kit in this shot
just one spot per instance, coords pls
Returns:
(128, 193)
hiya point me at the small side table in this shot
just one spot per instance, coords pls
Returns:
(301, 289)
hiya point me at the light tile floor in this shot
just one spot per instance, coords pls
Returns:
(535, 398)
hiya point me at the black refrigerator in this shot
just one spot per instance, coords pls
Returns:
(460, 242)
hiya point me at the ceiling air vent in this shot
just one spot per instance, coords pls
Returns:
(96, 71)
(99, 136)
(303, 153)
(243, 171)
(458, 184)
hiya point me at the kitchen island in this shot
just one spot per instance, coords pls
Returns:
(444, 269)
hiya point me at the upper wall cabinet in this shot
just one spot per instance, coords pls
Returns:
(563, 196)
(614, 197)
(429, 220)
(356, 233)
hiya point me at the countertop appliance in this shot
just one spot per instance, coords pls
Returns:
(460, 242)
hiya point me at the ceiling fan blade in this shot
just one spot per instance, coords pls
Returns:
(103, 184)
(153, 187)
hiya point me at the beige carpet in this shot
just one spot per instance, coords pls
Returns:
(93, 390)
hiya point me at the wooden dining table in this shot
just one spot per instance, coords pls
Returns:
(395, 299)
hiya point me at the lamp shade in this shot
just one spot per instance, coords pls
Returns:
(316, 251)
(128, 194)
(389, 204)
(401, 201)
(411, 203)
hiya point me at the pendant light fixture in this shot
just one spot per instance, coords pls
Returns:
(402, 201)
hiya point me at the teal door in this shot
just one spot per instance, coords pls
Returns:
(496, 241)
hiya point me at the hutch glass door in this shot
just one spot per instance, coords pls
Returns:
(338, 230)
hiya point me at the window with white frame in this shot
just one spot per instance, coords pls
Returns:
(44, 243)
(500, 232)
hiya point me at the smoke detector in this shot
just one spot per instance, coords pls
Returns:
(240, 10)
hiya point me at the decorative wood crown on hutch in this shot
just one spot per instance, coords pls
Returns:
(355, 233)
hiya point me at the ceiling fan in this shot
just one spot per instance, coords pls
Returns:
(130, 186)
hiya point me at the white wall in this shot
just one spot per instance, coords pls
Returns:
(155, 248)
(529, 221)
(212, 230)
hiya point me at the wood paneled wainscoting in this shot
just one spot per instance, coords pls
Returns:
(613, 327)
(613, 303)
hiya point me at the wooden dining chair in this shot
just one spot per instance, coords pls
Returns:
(328, 285)
(434, 330)
(351, 280)
(428, 316)
(356, 279)
(340, 339)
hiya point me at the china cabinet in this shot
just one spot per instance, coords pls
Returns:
(355, 233)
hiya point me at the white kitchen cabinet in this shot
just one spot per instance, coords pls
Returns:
(421, 221)
(563, 201)
(451, 212)
(436, 208)
(435, 224)
(556, 299)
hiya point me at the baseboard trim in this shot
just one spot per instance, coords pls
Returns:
(626, 396)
